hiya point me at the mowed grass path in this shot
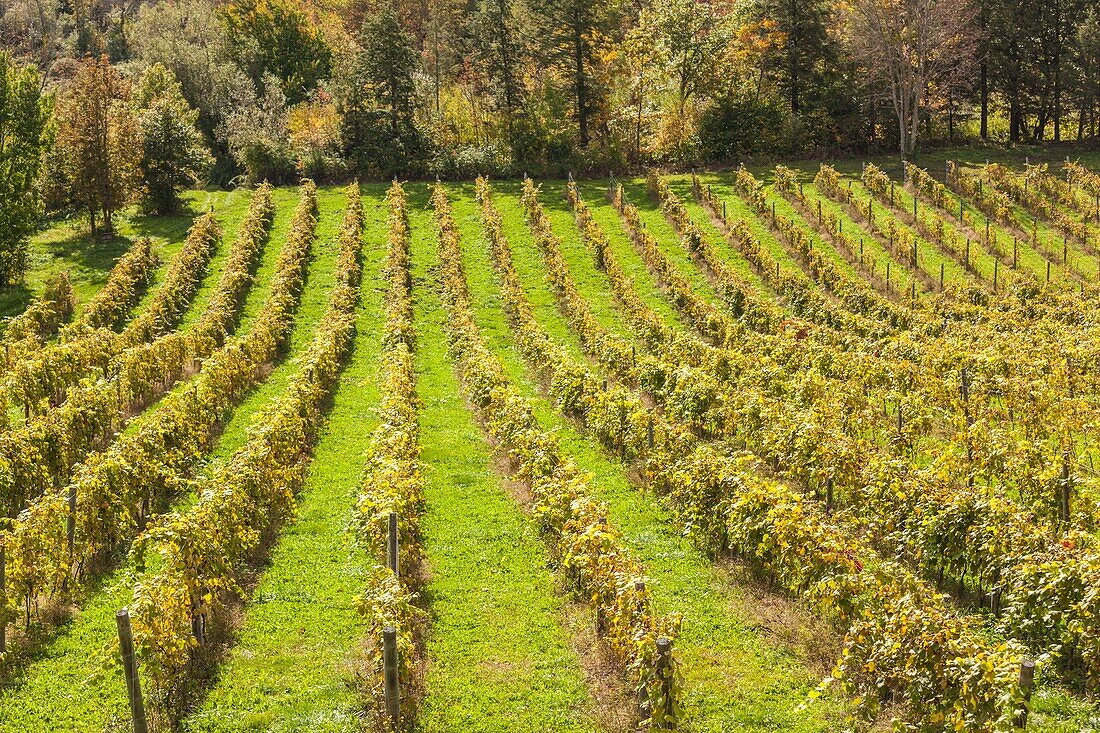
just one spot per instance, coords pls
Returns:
(75, 683)
(293, 663)
(498, 656)
(737, 674)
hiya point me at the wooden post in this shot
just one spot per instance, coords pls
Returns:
(1065, 251)
(887, 274)
(70, 522)
(649, 431)
(941, 276)
(130, 668)
(861, 249)
(914, 207)
(664, 661)
(392, 548)
(1027, 684)
(3, 599)
(996, 272)
(1066, 486)
(1015, 249)
(829, 496)
(914, 253)
(389, 662)
(723, 211)
(1048, 270)
(633, 356)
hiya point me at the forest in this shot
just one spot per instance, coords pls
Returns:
(335, 88)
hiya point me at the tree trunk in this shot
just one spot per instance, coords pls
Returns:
(984, 83)
(582, 87)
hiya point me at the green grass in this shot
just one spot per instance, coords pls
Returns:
(735, 678)
(618, 240)
(292, 665)
(499, 658)
(75, 681)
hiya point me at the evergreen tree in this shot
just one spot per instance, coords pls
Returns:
(570, 36)
(805, 48)
(379, 131)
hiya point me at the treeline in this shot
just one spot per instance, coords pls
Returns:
(278, 89)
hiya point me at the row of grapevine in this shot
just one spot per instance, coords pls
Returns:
(937, 230)
(202, 551)
(126, 282)
(50, 373)
(1034, 190)
(30, 330)
(113, 492)
(587, 546)
(900, 240)
(944, 526)
(392, 481)
(853, 293)
(39, 454)
(936, 394)
(727, 508)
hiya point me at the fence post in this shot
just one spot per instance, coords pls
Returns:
(1065, 486)
(70, 523)
(129, 665)
(393, 689)
(391, 545)
(3, 600)
(1027, 683)
(941, 276)
(664, 661)
(649, 431)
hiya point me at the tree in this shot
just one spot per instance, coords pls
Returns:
(173, 155)
(910, 46)
(571, 35)
(257, 134)
(803, 47)
(188, 37)
(642, 58)
(99, 141)
(379, 131)
(277, 38)
(499, 47)
(25, 133)
(693, 37)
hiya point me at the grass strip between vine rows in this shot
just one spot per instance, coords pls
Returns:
(40, 454)
(200, 553)
(774, 528)
(116, 489)
(589, 549)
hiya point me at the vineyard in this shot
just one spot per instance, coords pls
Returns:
(804, 448)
